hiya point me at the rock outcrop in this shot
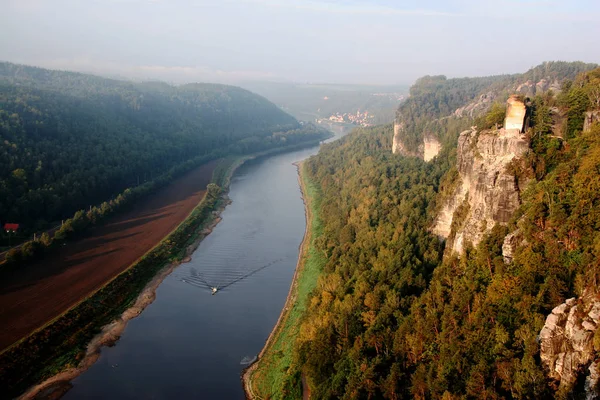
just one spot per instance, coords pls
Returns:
(509, 246)
(515, 114)
(431, 147)
(488, 193)
(529, 88)
(474, 108)
(397, 144)
(567, 343)
(590, 118)
(427, 150)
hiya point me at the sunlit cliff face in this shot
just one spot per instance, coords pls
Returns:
(515, 114)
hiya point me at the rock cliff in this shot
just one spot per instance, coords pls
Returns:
(431, 147)
(397, 144)
(515, 114)
(567, 343)
(427, 150)
(474, 108)
(487, 192)
(590, 118)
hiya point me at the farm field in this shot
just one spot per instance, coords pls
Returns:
(31, 298)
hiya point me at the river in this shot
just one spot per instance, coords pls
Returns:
(191, 344)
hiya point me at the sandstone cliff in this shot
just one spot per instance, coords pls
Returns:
(590, 118)
(567, 343)
(487, 192)
(427, 150)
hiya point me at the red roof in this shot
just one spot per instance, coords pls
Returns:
(11, 227)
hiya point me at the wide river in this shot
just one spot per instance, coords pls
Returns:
(191, 344)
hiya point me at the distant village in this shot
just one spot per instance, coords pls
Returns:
(361, 118)
(357, 118)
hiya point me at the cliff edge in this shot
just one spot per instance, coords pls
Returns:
(487, 192)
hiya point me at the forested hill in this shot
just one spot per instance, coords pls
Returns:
(435, 98)
(70, 140)
(395, 315)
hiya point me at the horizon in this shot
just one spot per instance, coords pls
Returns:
(318, 42)
(241, 83)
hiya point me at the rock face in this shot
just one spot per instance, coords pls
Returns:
(426, 150)
(431, 147)
(397, 145)
(567, 342)
(515, 114)
(511, 241)
(474, 108)
(590, 118)
(487, 193)
(530, 89)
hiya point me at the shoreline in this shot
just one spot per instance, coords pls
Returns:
(246, 376)
(111, 333)
(57, 385)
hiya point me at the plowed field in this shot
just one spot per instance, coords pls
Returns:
(39, 293)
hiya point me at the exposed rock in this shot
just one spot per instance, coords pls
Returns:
(566, 342)
(431, 147)
(476, 107)
(426, 151)
(591, 382)
(526, 89)
(511, 241)
(546, 84)
(559, 121)
(397, 145)
(530, 89)
(590, 118)
(515, 114)
(488, 193)
(491, 192)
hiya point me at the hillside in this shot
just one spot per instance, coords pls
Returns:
(424, 117)
(70, 140)
(399, 311)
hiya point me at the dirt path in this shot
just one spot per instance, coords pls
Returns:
(46, 289)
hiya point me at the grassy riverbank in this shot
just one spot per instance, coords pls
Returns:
(62, 344)
(266, 378)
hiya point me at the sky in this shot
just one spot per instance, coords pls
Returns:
(303, 41)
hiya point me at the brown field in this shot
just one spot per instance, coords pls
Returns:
(32, 297)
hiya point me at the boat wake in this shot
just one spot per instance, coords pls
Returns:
(222, 280)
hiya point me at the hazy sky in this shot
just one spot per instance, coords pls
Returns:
(379, 41)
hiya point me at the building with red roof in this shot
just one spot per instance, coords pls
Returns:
(11, 227)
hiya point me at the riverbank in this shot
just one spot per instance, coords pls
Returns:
(267, 377)
(64, 346)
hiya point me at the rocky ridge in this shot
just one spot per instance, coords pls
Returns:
(487, 192)
(567, 343)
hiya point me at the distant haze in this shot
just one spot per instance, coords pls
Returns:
(229, 41)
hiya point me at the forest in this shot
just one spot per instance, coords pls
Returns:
(433, 99)
(395, 317)
(70, 141)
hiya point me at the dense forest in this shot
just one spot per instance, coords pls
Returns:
(393, 316)
(435, 98)
(70, 140)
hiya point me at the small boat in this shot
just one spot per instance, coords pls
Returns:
(214, 290)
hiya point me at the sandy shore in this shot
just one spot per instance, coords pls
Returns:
(291, 298)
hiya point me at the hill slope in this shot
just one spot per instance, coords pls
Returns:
(69, 140)
(396, 315)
